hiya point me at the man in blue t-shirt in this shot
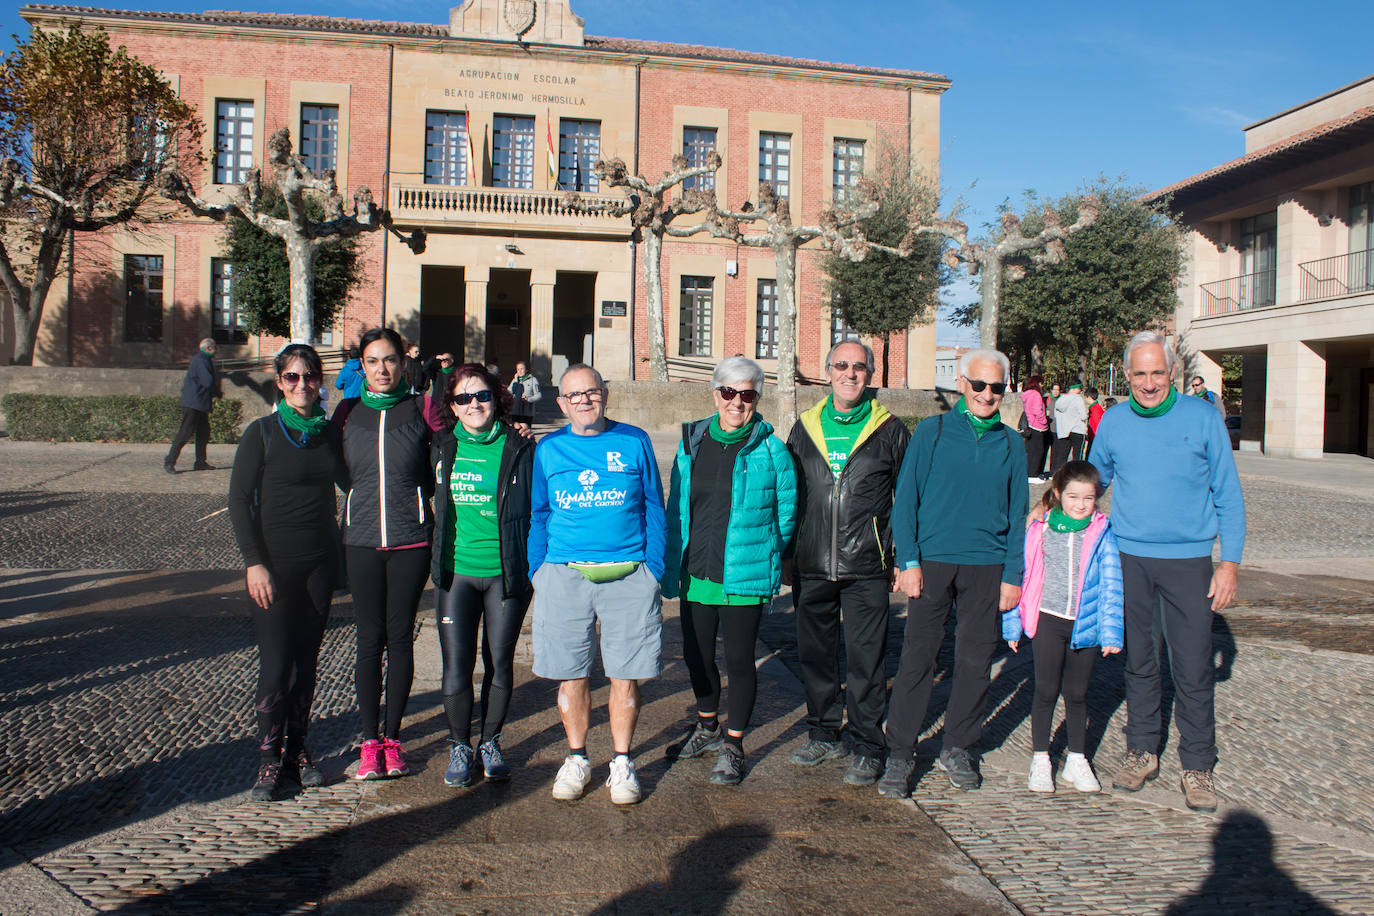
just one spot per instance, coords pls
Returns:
(597, 535)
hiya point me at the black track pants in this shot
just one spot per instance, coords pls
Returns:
(1059, 669)
(289, 635)
(386, 586)
(739, 626)
(459, 610)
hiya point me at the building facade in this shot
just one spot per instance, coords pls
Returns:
(474, 131)
(1281, 271)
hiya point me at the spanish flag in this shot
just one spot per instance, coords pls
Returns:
(472, 156)
(553, 151)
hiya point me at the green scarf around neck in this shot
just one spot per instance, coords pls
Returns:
(980, 425)
(460, 432)
(385, 400)
(1059, 521)
(309, 426)
(859, 414)
(730, 437)
(1159, 409)
(447, 370)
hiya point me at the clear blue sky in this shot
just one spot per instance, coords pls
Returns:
(1044, 96)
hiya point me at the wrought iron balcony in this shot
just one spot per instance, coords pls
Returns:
(454, 205)
(1250, 291)
(1343, 275)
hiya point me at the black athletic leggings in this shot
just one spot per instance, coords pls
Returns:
(458, 610)
(386, 587)
(1059, 668)
(289, 635)
(740, 624)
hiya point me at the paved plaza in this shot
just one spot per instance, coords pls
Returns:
(127, 666)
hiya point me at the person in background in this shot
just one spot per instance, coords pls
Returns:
(350, 378)
(1038, 442)
(198, 389)
(1200, 390)
(414, 370)
(524, 389)
(1070, 426)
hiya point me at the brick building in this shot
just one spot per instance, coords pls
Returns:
(473, 130)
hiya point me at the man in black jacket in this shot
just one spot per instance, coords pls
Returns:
(848, 450)
(197, 389)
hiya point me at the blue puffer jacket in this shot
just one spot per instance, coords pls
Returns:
(1100, 609)
(763, 512)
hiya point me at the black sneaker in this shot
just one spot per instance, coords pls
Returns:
(267, 786)
(303, 770)
(202, 466)
(896, 781)
(863, 770)
(958, 763)
(169, 467)
(815, 752)
(729, 768)
(698, 742)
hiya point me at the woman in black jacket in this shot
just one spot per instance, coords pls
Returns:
(480, 566)
(281, 504)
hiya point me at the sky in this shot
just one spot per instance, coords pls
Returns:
(1044, 96)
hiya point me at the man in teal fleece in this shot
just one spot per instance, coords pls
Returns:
(958, 526)
(1176, 491)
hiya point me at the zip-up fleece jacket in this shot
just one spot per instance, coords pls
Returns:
(390, 479)
(763, 512)
(512, 510)
(845, 527)
(1100, 609)
(961, 498)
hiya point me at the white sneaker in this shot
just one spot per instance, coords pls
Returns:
(1041, 774)
(572, 778)
(623, 782)
(1078, 771)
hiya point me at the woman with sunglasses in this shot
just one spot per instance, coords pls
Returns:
(480, 565)
(731, 509)
(282, 505)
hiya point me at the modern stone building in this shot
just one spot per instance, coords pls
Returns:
(1281, 270)
(474, 130)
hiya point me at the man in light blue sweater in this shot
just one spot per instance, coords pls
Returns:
(1176, 491)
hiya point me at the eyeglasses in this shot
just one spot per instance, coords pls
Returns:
(978, 384)
(843, 365)
(293, 378)
(577, 397)
(464, 398)
(446, 360)
(746, 395)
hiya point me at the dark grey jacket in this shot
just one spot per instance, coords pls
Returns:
(201, 383)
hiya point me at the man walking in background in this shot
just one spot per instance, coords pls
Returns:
(199, 387)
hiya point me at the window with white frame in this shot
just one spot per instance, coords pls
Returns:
(848, 167)
(579, 146)
(840, 331)
(775, 162)
(143, 279)
(233, 140)
(766, 323)
(226, 323)
(512, 152)
(694, 316)
(320, 137)
(698, 143)
(446, 147)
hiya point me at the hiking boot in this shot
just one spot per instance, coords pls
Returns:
(623, 782)
(1137, 767)
(572, 778)
(958, 763)
(1199, 791)
(815, 751)
(303, 769)
(202, 466)
(459, 772)
(896, 781)
(395, 757)
(1079, 772)
(494, 766)
(863, 770)
(370, 764)
(267, 785)
(700, 741)
(729, 768)
(1041, 773)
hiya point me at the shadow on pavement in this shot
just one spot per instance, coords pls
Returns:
(702, 880)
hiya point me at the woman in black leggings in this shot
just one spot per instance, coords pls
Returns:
(480, 565)
(281, 504)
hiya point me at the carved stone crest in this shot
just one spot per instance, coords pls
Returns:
(519, 15)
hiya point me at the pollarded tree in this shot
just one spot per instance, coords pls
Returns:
(85, 130)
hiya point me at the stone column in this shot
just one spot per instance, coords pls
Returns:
(475, 314)
(1295, 400)
(1299, 240)
(541, 324)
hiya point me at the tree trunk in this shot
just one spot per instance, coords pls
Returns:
(300, 254)
(27, 306)
(785, 256)
(653, 293)
(887, 345)
(989, 290)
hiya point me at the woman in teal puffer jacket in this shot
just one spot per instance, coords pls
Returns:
(732, 506)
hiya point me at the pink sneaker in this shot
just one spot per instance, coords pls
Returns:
(370, 766)
(395, 758)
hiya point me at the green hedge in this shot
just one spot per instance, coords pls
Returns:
(109, 418)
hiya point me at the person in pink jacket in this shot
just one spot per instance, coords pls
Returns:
(1038, 435)
(1071, 605)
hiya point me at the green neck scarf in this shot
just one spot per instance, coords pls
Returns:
(309, 426)
(1059, 521)
(732, 436)
(385, 400)
(859, 414)
(447, 370)
(980, 425)
(461, 433)
(1159, 409)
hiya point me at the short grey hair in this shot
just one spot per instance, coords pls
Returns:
(737, 369)
(985, 356)
(581, 367)
(868, 352)
(208, 344)
(1144, 338)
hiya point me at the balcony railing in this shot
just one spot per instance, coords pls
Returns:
(459, 203)
(1342, 275)
(1251, 291)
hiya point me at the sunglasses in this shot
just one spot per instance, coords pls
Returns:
(463, 398)
(843, 366)
(746, 396)
(292, 378)
(978, 384)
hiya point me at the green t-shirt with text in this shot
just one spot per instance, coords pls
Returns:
(841, 431)
(476, 536)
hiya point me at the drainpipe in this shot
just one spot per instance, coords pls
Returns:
(634, 249)
(386, 172)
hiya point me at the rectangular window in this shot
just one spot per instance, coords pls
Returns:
(226, 324)
(143, 298)
(848, 167)
(1259, 253)
(698, 143)
(1361, 270)
(767, 321)
(694, 317)
(512, 152)
(840, 331)
(446, 147)
(579, 146)
(320, 137)
(775, 162)
(233, 140)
